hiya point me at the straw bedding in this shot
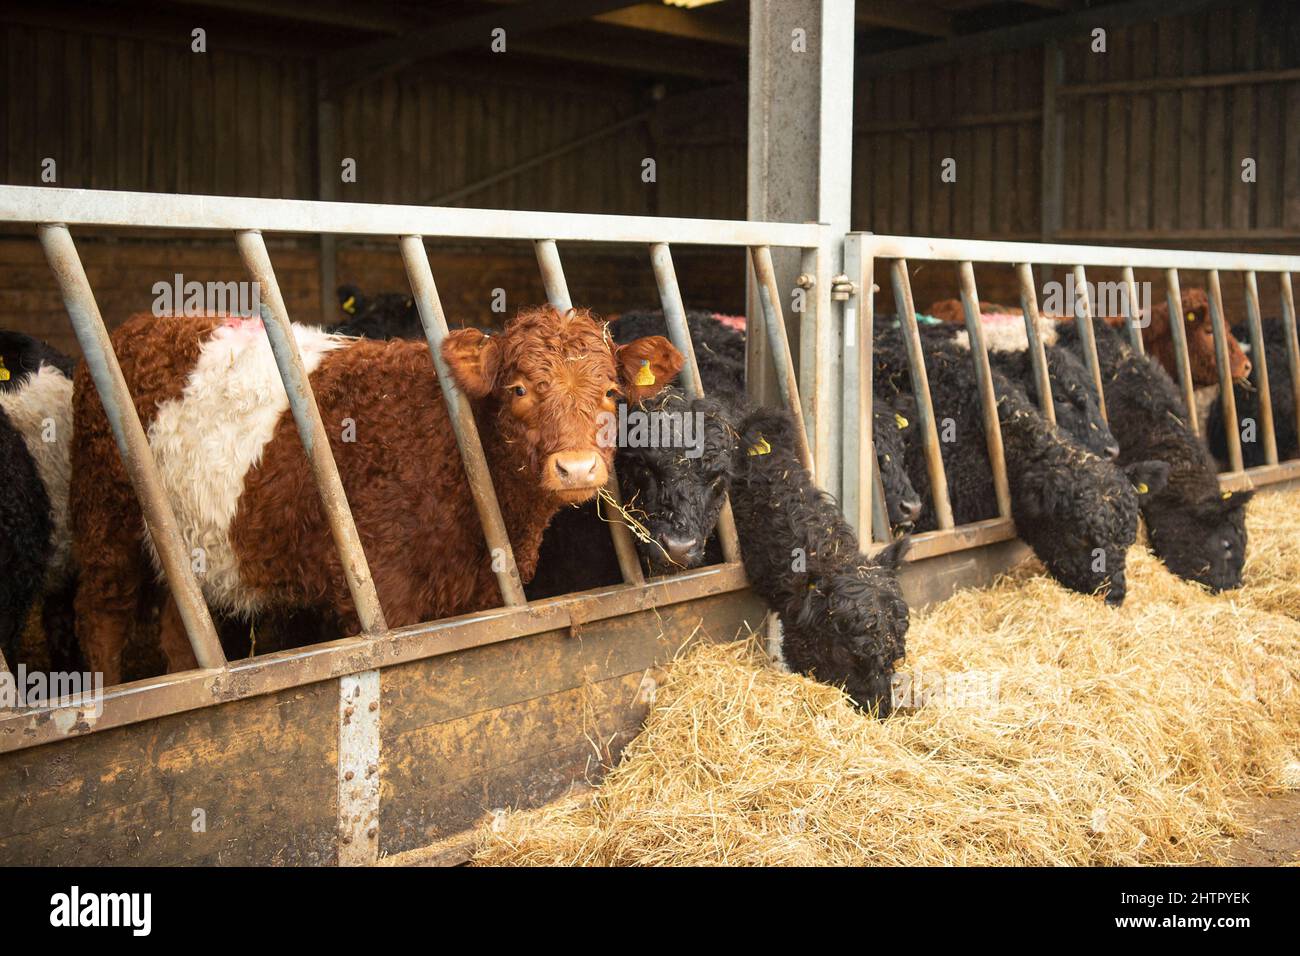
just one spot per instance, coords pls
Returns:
(1065, 732)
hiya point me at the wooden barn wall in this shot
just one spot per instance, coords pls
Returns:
(140, 114)
(982, 113)
(1142, 165)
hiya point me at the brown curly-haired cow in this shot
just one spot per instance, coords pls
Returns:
(216, 414)
(1159, 342)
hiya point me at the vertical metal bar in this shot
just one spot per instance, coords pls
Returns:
(1130, 311)
(921, 390)
(861, 472)
(779, 345)
(670, 296)
(1178, 335)
(311, 430)
(970, 301)
(1037, 357)
(819, 366)
(358, 768)
(855, 396)
(1083, 321)
(434, 320)
(1292, 339)
(1227, 397)
(855, 484)
(133, 446)
(557, 293)
(881, 531)
(1261, 369)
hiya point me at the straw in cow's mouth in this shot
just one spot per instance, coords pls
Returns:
(628, 513)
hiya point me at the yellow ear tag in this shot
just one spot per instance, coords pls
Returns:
(4, 372)
(1226, 495)
(1191, 316)
(644, 376)
(761, 448)
(1142, 489)
(350, 304)
(899, 420)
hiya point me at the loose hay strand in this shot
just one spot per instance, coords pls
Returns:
(1115, 737)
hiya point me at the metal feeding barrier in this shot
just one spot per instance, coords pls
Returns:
(55, 211)
(861, 252)
(826, 420)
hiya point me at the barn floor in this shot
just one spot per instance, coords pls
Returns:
(1165, 732)
(1273, 837)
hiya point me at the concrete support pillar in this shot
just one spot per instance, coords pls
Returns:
(800, 170)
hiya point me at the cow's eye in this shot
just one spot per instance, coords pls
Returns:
(611, 393)
(520, 391)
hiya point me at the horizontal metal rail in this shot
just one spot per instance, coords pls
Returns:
(1059, 254)
(85, 207)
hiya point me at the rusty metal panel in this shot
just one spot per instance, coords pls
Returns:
(519, 723)
(249, 782)
(149, 699)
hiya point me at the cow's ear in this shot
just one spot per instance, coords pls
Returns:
(474, 360)
(350, 299)
(646, 365)
(1231, 500)
(1148, 477)
(1039, 496)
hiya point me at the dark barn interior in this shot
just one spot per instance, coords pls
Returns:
(1144, 142)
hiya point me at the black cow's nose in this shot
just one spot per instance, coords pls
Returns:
(678, 549)
(1112, 451)
(911, 509)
